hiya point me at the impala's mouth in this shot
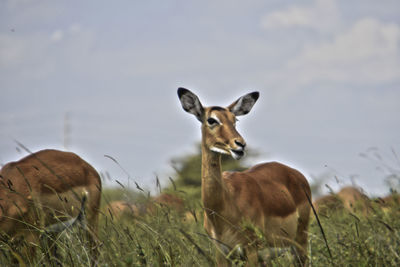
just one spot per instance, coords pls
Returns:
(237, 153)
(219, 150)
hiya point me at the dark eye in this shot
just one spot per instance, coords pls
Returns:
(212, 121)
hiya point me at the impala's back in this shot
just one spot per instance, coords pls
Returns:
(45, 188)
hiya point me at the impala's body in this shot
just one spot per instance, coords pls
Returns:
(45, 188)
(169, 201)
(354, 200)
(118, 209)
(267, 195)
(270, 197)
(166, 200)
(348, 198)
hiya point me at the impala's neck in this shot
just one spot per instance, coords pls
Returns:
(211, 180)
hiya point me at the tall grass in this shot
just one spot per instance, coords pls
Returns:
(171, 238)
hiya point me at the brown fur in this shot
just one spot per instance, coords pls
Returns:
(45, 188)
(270, 197)
(354, 200)
(348, 198)
(170, 201)
(119, 209)
(123, 208)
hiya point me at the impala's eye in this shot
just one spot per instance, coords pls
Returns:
(212, 121)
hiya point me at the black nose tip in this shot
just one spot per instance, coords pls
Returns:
(240, 144)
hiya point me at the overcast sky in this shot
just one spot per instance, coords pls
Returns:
(328, 72)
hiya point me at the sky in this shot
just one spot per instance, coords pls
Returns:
(100, 78)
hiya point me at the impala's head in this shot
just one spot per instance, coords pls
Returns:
(219, 123)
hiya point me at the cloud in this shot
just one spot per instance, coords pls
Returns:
(322, 15)
(57, 36)
(368, 52)
(72, 31)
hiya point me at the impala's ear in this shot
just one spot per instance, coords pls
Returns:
(244, 104)
(191, 103)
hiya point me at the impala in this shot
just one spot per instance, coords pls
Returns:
(119, 208)
(269, 198)
(45, 189)
(349, 198)
(354, 200)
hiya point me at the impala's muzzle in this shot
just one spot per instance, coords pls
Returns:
(238, 152)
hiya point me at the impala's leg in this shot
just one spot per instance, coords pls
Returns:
(302, 234)
(20, 226)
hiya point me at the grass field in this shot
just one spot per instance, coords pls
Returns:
(171, 238)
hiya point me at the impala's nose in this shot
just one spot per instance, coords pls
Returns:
(240, 143)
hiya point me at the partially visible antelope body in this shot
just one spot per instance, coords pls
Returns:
(269, 197)
(44, 189)
(349, 198)
(120, 208)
